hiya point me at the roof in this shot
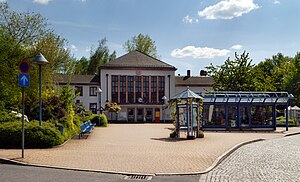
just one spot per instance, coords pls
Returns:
(78, 79)
(136, 59)
(187, 94)
(194, 81)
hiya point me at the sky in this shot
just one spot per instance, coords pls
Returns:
(188, 34)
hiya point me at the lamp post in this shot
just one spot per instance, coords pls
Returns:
(40, 60)
(99, 97)
(164, 98)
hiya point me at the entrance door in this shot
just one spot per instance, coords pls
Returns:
(149, 114)
(232, 117)
(244, 115)
(130, 114)
(140, 114)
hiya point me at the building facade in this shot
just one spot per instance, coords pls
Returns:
(140, 84)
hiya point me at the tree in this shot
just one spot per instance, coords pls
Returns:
(81, 66)
(292, 83)
(22, 37)
(233, 75)
(142, 43)
(99, 57)
(276, 69)
(24, 28)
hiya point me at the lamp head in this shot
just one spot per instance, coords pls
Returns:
(40, 60)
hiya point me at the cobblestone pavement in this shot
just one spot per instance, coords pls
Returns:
(138, 148)
(270, 160)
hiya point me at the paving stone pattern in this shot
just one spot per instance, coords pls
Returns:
(270, 160)
(138, 148)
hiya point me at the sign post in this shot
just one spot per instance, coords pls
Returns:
(23, 82)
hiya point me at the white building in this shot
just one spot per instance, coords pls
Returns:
(140, 84)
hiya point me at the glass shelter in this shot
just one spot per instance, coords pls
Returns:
(187, 113)
(242, 110)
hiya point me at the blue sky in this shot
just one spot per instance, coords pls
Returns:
(189, 34)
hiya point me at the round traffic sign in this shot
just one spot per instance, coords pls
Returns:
(24, 67)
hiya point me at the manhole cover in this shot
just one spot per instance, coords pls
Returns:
(138, 177)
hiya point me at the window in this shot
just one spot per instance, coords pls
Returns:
(131, 89)
(138, 89)
(122, 89)
(215, 115)
(153, 89)
(78, 90)
(146, 89)
(93, 91)
(114, 88)
(161, 88)
(93, 108)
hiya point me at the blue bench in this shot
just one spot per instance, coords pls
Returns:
(86, 127)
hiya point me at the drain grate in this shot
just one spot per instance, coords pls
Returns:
(138, 177)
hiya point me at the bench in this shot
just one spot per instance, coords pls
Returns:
(86, 127)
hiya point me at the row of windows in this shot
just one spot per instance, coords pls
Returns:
(137, 89)
(79, 91)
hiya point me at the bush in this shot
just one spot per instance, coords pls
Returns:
(281, 121)
(35, 136)
(7, 117)
(200, 134)
(103, 120)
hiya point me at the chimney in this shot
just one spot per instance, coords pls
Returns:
(188, 73)
(203, 73)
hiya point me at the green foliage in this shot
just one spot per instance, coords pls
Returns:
(7, 117)
(81, 66)
(99, 57)
(80, 110)
(281, 121)
(103, 120)
(112, 107)
(142, 43)
(233, 75)
(35, 135)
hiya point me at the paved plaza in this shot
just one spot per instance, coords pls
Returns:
(270, 160)
(139, 148)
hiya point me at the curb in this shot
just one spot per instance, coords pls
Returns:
(15, 162)
(215, 163)
(291, 134)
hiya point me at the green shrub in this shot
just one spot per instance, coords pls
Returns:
(281, 121)
(36, 136)
(7, 117)
(103, 120)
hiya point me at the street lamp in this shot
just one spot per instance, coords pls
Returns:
(164, 98)
(99, 97)
(40, 60)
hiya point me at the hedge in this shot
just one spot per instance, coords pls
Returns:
(35, 136)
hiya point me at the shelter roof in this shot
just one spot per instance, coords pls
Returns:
(187, 94)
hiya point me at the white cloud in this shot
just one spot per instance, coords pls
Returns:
(198, 52)
(228, 9)
(74, 48)
(188, 19)
(44, 2)
(276, 2)
(88, 49)
(83, 1)
(236, 47)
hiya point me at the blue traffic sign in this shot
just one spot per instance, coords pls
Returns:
(24, 80)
